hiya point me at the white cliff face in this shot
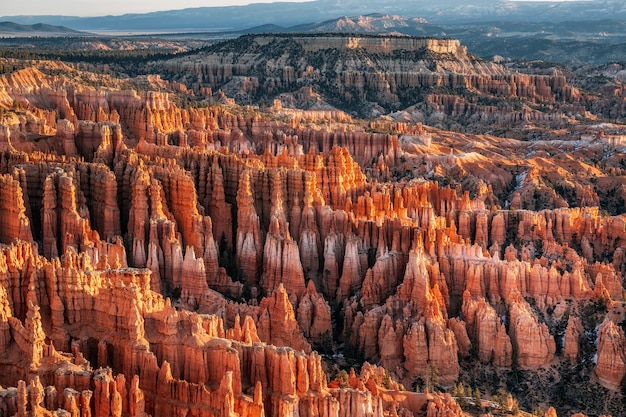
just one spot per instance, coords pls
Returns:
(372, 44)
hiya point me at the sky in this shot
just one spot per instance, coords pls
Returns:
(110, 7)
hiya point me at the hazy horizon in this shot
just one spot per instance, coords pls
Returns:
(80, 8)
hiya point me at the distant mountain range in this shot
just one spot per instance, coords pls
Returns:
(12, 28)
(605, 30)
(574, 32)
(588, 41)
(290, 14)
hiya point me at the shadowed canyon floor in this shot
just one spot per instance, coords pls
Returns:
(226, 235)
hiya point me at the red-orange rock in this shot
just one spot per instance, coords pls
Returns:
(381, 279)
(333, 256)
(352, 272)
(202, 193)
(390, 341)
(460, 333)
(532, 342)
(487, 329)
(442, 349)
(249, 247)
(611, 364)
(30, 337)
(277, 322)
(416, 286)
(314, 317)
(281, 262)
(573, 333)
(416, 349)
(14, 224)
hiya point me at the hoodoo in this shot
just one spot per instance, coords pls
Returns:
(309, 225)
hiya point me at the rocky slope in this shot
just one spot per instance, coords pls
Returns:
(160, 258)
(434, 81)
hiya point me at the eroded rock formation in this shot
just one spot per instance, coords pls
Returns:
(159, 259)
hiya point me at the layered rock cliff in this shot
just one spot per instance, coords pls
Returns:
(368, 74)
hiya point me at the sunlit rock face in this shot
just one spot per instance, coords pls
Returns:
(165, 259)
